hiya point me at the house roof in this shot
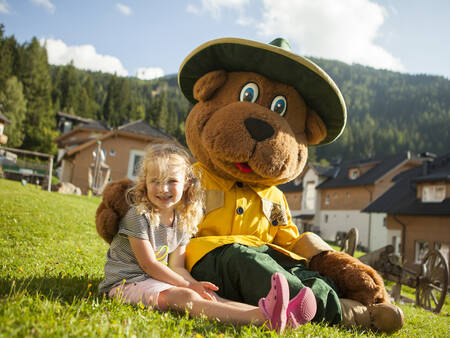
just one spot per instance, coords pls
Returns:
(322, 170)
(75, 131)
(401, 198)
(380, 167)
(96, 125)
(291, 186)
(143, 128)
(136, 129)
(3, 117)
(83, 122)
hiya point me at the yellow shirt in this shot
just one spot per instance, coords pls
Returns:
(247, 214)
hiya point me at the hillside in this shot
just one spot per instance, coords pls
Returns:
(388, 112)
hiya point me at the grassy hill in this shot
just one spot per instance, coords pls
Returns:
(51, 262)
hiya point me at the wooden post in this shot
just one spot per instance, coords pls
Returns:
(50, 169)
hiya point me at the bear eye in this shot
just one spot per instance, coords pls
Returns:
(249, 92)
(279, 105)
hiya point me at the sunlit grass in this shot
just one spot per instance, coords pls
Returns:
(51, 262)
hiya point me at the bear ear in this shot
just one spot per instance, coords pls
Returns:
(316, 129)
(205, 86)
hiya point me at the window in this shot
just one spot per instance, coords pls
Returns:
(353, 173)
(433, 193)
(421, 248)
(444, 248)
(327, 199)
(112, 152)
(67, 126)
(384, 222)
(396, 243)
(325, 218)
(133, 163)
(310, 198)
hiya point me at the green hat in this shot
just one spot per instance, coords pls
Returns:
(276, 62)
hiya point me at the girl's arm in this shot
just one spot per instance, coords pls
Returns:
(146, 258)
(176, 263)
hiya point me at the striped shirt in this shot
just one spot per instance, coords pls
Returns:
(121, 263)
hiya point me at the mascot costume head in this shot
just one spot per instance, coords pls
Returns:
(256, 109)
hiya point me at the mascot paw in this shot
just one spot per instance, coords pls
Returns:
(354, 279)
(113, 207)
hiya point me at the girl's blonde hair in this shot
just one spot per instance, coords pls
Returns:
(157, 159)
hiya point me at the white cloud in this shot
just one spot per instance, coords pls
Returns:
(214, 7)
(342, 30)
(149, 73)
(125, 10)
(83, 57)
(45, 3)
(192, 9)
(4, 7)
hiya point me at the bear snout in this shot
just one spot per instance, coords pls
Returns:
(259, 130)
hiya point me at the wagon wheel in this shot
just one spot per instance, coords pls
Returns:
(432, 282)
(350, 241)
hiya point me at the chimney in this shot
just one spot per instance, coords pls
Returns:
(427, 158)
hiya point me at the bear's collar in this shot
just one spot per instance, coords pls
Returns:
(227, 184)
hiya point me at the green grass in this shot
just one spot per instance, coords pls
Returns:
(51, 262)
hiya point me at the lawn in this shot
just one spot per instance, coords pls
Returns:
(51, 262)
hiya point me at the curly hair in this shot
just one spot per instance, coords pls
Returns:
(157, 158)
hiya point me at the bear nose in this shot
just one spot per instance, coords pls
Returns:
(258, 129)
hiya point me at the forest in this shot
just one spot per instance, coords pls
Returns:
(388, 112)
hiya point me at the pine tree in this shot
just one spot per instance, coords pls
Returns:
(70, 89)
(8, 56)
(163, 114)
(14, 108)
(40, 120)
(122, 101)
(87, 107)
(109, 109)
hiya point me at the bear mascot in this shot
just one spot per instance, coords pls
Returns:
(256, 109)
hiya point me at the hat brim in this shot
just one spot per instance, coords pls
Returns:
(233, 54)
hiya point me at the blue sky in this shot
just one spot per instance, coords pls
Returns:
(150, 38)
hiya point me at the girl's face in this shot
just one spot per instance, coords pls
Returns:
(165, 190)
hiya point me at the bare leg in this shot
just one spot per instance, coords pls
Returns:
(232, 302)
(182, 299)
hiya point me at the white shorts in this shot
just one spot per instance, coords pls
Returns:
(146, 292)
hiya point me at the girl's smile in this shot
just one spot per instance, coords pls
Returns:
(165, 192)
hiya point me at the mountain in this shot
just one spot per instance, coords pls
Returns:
(388, 112)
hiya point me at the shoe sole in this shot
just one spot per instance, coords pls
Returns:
(302, 308)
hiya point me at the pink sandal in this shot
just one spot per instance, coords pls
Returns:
(274, 305)
(302, 308)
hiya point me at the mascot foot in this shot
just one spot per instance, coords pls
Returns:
(302, 308)
(381, 317)
(274, 305)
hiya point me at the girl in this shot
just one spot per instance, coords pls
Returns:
(145, 262)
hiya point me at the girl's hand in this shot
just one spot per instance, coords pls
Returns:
(204, 289)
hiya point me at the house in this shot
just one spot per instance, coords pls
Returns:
(302, 198)
(349, 188)
(3, 120)
(418, 210)
(67, 122)
(122, 148)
